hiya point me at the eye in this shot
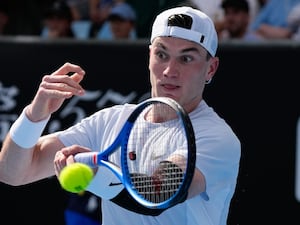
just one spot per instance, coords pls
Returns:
(161, 55)
(186, 59)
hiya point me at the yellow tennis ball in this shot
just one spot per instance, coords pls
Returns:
(76, 177)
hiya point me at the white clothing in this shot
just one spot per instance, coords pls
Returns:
(218, 155)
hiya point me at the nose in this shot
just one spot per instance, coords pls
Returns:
(172, 68)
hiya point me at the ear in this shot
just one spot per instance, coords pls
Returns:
(212, 69)
(150, 48)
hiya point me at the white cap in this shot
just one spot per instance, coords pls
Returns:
(201, 31)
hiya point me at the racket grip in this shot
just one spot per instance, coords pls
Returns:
(88, 158)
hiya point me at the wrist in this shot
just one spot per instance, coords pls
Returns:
(34, 115)
(26, 133)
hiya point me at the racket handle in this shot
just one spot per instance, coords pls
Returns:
(88, 158)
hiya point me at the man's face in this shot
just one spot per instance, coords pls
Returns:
(179, 69)
(57, 26)
(121, 28)
(236, 21)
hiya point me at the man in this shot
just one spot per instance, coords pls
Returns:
(58, 21)
(272, 21)
(236, 19)
(120, 23)
(181, 62)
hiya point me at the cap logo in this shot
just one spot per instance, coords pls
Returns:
(180, 20)
(183, 21)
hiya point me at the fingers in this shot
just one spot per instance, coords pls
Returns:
(55, 89)
(74, 149)
(69, 68)
(63, 83)
(77, 77)
(65, 157)
(62, 86)
(67, 78)
(59, 162)
(76, 72)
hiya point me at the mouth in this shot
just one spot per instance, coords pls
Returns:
(170, 86)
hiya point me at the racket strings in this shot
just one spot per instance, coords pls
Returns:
(155, 143)
(162, 185)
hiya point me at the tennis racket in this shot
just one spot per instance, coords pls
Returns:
(157, 150)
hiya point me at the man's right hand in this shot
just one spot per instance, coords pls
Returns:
(54, 89)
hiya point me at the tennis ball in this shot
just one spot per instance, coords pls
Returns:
(76, 177)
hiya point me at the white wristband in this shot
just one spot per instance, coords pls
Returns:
(26, 133)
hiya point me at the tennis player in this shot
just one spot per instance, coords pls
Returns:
(182, 61)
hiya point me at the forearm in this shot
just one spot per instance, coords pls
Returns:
(18, 149)
(198, 184)
(15, 162)
(21, 153)
(19, 166)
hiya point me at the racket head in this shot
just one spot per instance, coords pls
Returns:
(159, 153)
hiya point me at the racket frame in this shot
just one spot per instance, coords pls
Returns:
(191, 154)
(101, 158)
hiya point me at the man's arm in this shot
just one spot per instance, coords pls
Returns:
(20, 166)
(24, 156)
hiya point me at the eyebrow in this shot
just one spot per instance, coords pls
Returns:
(191, 49)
